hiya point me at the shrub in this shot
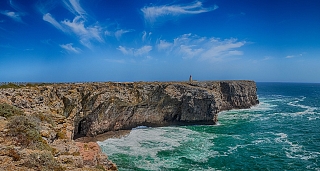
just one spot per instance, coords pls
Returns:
(7, 110)
(61, 135)
(100, 167)
(10, 85)
(25, 131)
(45, 117)
(43, 161)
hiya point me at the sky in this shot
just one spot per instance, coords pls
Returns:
(160, 40)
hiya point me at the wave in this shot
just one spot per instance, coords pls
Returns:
(271, 134)
(308, 109)
(153, 147)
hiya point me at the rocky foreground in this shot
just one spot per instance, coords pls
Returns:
(56, 114)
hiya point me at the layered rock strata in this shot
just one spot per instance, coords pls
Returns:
(89, 109)
(95, 108)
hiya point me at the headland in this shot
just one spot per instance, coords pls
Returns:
(66, 111)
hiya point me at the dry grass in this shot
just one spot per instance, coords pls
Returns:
(43, 161)
(25, 132)
(9, 111)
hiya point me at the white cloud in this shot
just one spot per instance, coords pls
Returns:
(48, 17)
(76, 25)
(145, 36)
(152, 13)
(235, 52)
(85, 33)
(144, 50)
(16, 16)
(79, 26)
(126, 51)
(189, 51)
(45, 6)
(120, 32)
(290, 56)
(74, 7)
(163, 45)
(217, 49)
(108, 33)
(15, 6)
(212, 49)
(69, 47)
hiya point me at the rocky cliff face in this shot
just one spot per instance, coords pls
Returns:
(94, 108)
(57, 113)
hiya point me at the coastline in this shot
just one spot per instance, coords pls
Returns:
(89, 149)
(103, 136)
(71, 118)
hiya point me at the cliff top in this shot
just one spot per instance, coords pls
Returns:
(39, 121)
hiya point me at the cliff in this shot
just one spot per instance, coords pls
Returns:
(89, 109)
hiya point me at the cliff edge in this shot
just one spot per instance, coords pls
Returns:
(89, 109)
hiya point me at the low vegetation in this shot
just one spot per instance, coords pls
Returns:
(25, 132)
(45, 117)
(20, 85)
(7, 110)
(43, 161)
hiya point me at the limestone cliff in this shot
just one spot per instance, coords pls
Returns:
(94, 108)
(89, 109)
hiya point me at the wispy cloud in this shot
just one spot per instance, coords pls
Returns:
(290, 56)
(144, 50)
(267, 58)
(74, 7)
(163, 45)
(212, 49)
(46, 6)
(16, 6)
(85, 33)
(70, 49)
(79, 26)
(120, 32)
(126, 51)
(16, 16)
(48, 17)
(296, 55)
(152, 13)
(145, 35)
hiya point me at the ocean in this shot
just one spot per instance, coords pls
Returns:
(281, 133)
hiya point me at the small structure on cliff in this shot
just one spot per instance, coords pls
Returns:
(190, 78)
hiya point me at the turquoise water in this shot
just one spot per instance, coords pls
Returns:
(281, 133)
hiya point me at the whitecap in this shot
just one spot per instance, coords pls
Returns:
(140, 127)
(147, 143)
(294, 150)
(308, 109)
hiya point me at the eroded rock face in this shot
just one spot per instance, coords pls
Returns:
(92, 108)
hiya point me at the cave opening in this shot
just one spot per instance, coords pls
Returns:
(80, 131)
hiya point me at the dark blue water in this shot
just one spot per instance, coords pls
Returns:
(281, 133)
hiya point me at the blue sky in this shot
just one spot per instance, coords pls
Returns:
(162, 40)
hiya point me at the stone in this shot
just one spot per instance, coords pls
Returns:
(90, 109)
